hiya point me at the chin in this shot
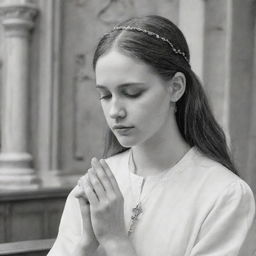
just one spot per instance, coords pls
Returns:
(127, 142)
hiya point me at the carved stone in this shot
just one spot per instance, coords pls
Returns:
(80, 79)
(18, 19)
(17, 12)
(115, 11)
(15, 161)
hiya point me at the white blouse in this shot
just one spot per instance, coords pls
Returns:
(196, 208)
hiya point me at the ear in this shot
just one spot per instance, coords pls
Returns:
(177, 86)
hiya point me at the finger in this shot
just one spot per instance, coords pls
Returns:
(78, 191)
(103, 177)
(90, 193)
(110, 175)
(85, 186)
(86, 215)
(84, 205)
(96, 184)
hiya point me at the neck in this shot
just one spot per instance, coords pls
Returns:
(161, 152)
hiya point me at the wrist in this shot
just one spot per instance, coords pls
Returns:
(88, 246)
(118, 246)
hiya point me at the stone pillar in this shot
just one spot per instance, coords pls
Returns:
(193, 10)
(15, 161)
(217, 51)
(242, 90)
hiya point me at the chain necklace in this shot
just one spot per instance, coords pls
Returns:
(138, 209)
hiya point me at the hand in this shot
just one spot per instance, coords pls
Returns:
(106, 203)
(88, 241)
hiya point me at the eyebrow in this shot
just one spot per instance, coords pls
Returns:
(121, 85)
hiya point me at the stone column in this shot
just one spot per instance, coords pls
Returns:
(15, 161)
(217, 51)
(193, 10)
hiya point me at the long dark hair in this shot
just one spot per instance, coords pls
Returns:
(194, 117)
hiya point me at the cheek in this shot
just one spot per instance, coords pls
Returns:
(153, 112)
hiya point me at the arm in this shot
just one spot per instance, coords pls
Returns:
(227, 225)
(69, 229)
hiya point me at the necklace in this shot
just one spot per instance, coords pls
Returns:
(138, 209)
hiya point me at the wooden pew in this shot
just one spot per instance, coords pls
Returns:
(27, 248)
(31, 215)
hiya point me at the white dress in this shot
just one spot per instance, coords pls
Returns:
(197, 208)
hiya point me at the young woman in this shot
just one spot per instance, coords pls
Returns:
(167, 185)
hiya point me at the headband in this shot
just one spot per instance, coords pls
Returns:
(150, 33)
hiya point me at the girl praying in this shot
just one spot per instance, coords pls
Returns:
(166, 185)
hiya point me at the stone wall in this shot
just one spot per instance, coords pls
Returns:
(63, 120)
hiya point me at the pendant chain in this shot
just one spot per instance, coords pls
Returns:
(138, 210)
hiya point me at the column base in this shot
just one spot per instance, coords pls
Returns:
(15, 160)
(55, 178)
(18, 179)
(15, 173)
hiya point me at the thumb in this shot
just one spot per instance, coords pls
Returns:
(83, 202)
(86, 216)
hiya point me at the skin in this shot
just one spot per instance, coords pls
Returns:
(133, 95)
(129, 96)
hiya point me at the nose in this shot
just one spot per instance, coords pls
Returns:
(117, 111)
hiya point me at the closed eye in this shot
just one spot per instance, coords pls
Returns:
(108, 96)
(133, 95)
(132, 92)
(125, 93)
(125, 90)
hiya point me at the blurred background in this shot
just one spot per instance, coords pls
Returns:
(51, 122)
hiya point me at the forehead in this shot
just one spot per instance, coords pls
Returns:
(115, 68)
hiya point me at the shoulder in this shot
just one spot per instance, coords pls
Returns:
(212, 173)
(222, 197)
(211, 181)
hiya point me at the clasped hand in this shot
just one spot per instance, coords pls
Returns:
(101, 204)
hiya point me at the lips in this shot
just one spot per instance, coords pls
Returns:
(118, 127)
(122, 130)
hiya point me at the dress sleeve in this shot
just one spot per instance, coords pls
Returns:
(70, 228)
(228, 224)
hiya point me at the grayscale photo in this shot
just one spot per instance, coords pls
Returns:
(127, 127)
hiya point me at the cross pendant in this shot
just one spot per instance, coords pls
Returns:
(137, 211)
(134, 218)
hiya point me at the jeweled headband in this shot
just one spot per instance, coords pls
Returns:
(150, 33)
